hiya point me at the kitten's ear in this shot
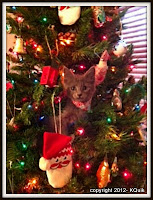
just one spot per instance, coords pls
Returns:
(90, 74)
(68, 75)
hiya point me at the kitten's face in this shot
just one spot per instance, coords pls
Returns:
(79, 87)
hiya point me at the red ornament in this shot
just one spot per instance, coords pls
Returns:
(108, 19)
(24, 99)
(8, 86)
(143, 109)
(57, 99)
(49, 76)
(16, 127)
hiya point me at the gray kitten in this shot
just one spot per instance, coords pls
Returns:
(79, 90)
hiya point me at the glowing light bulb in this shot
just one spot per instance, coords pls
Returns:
(109, 120)
(127, 90)
(12, 81)
(80, 131)
(29, 106)
(36, 81)
(131, 67)
(82, 67)
(22, 163)
(41, 118)
(13, 8)
(113, 69)
(24, 146)
(35, 45)
(137, 107)
(62, 43)
(131, 133)
(87, 166)
(34, 181)
(104, 37)
(44, 19)
(68, 41)
(145, 163)
(71, 151)
(127, 174)
(77, 165)
(19, 19)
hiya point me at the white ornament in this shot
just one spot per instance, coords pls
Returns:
(59, 169)
(120, 49)
(68, 15)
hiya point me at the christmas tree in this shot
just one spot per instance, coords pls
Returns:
(108, 147)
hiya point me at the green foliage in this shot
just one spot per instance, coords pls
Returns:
(102, 136)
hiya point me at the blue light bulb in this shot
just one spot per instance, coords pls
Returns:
(35, 81)
(41, 118)
(29, 106)
(13, 8)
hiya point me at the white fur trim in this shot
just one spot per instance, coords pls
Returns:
(44, 164)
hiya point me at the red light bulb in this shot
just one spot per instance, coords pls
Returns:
(35, 45)
(104, 37)
(87, 166)
(71, 151)
(82, 67)
(80, 131)
(77, 165)
(131, 67)
(127, 174)
(19, 19)
(131, 133)
(145, 163)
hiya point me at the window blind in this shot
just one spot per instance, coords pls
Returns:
(135, 22)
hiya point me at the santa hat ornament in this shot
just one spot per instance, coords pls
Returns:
(68, 15)
(57, 159)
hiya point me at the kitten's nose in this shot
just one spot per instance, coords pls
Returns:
(79, 95)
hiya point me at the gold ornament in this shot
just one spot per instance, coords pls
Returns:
(142, 135)
(116, 100)
(114, 168)
(103, 174)
(99, 16)
(19, 46)
(113, 135)
(67, 38)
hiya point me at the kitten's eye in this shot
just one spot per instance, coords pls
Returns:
(84, 87)
(73, 88)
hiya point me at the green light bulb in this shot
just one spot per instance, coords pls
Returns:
(22, 163)
(12, 81)
(44, 19)
(126, 91)
(109, 120)
(24, 146)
